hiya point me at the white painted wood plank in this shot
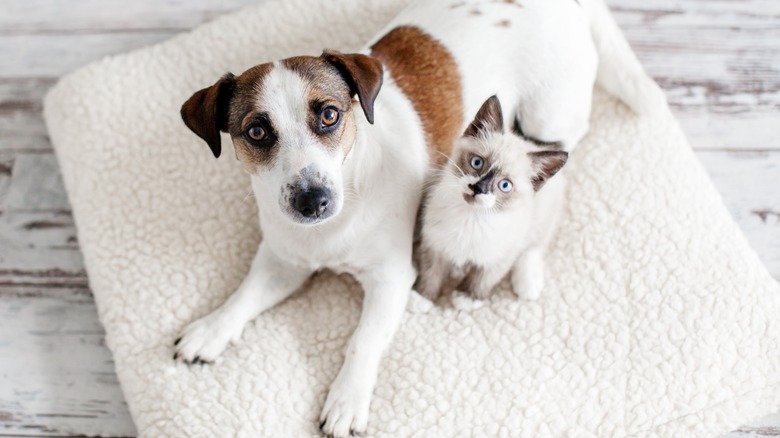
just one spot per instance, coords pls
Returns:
(46, 16)
(768, 426)
(36, 184)
(39, 249)
(719, 63)
(711, 129)
(48, 56)
(750, 185)
(56, 375)
(21, 122)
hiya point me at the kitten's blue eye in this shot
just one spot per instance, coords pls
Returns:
(476, 162)
(505, 185)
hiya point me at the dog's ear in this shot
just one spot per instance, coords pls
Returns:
(362, 73)
(206, 112)
(545, 164)
(489, 118)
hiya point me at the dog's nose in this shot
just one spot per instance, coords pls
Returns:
(312, 203)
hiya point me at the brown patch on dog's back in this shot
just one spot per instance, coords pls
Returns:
(475, 12)
(503, 23)
(429, 77)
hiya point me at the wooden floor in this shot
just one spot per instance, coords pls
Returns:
(718, 60)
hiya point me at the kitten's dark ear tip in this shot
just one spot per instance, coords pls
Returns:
(489, 118)
(545, 165)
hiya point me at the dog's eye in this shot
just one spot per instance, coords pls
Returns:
(329, 117)
(505, 185)
(477, 162)
(256, 133)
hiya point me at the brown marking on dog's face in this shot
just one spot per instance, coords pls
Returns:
(326, 92)
(232, 105)
(290, 116)
(428, 75)
(504, 23)
(244, 114)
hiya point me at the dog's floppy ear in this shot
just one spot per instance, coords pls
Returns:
(206, 112)
(545, 164)
(489, 118)
(362, 73)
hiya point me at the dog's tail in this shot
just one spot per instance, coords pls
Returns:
(619, 71)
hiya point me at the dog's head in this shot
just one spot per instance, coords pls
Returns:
(293, 124)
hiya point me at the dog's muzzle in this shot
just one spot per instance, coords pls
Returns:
(313, 203)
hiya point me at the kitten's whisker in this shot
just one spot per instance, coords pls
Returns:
(250, 194)
(462, 173)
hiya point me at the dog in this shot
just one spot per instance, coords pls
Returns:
(338, 147)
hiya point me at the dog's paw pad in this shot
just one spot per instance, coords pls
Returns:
(464, 301)
(418, 303)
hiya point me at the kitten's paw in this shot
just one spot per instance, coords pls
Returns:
(345, 413)
(529, 285)
(464, 301)
(205, 339)
(418, 303)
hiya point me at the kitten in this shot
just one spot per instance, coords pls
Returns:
(493, 209)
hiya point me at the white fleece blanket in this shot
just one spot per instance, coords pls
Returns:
(658, 319)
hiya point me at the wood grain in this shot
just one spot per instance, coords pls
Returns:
(717, 60)
(61, 378)
(96, 16)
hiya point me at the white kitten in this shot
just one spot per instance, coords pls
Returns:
(492, 209)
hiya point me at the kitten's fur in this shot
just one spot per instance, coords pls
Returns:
(472, 229)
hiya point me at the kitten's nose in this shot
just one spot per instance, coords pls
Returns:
(482, 186)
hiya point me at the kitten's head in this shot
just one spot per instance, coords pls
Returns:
(494, 169)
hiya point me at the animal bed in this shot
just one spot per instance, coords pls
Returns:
(657, 318)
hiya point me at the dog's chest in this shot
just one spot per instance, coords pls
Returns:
(335, 248)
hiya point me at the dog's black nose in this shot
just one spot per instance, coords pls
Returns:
(312, 203)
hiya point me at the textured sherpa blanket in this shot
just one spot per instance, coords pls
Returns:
(657, 319)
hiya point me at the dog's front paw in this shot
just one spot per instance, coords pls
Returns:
(418, 303)
(464, 301)
(345, 413)
(205, 339)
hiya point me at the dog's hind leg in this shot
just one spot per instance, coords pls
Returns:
(345, 412)
(270, 281)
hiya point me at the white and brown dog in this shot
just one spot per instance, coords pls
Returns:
(338, 186)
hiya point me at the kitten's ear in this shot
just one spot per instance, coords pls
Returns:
(545, 164)
(489, 118)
